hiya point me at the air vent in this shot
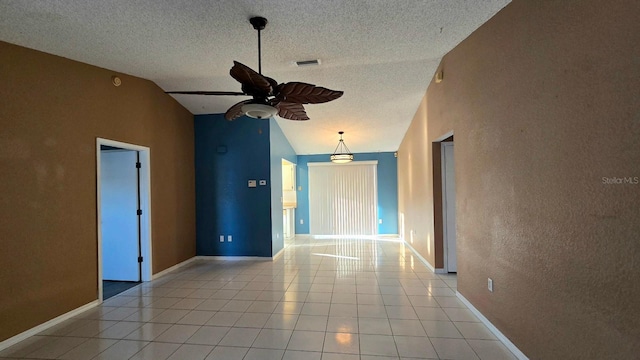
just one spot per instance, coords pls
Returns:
(308, 62)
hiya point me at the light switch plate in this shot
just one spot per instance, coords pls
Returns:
(252, 183)
(263, 182)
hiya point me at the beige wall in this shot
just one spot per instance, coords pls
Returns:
(544, 102)
(51, 113)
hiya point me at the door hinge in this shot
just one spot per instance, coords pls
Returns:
(138, 165)
(139, 259)
(139, 212)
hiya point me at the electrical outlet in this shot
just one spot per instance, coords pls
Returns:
(379, 221)
(221, 238)
(490, 284)
(229, 238)
(301, 221)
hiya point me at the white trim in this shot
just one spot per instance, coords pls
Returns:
(44, 326)
(368, 162)
(445, 205)
(417, 254)
(303, 236)
(443, 137)
(278, 254)
(145, 204)
(173, 268)
(511, 346)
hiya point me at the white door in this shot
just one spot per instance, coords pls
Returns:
(449, 204)
(118, 206)
(343, 198)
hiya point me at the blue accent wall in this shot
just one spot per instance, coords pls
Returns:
(227, 155)
(280, 149)
(387, 189)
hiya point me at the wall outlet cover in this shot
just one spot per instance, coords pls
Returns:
(252, 183)
(263, 182)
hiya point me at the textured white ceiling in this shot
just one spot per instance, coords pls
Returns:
(381, 53)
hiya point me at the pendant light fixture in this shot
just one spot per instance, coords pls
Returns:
(341, 155)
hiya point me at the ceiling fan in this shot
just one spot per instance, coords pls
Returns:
(268, 97)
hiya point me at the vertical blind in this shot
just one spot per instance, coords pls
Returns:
(343, 198)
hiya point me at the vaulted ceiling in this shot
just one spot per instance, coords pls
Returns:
(381, 53)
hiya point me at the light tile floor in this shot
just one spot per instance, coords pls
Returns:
(323, 299)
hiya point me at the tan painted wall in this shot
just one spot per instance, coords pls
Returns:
(544, 102)
(51, 113)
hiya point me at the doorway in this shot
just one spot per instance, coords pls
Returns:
(289, 200)
(449, 207)
(124, 233)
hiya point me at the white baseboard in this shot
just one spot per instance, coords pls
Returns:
(511, 346)
(417, 254)
(44, 326)
(174, 267)
(278, 254)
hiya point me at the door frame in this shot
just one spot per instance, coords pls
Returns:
(438, 206)
(145, 206)
(445, 206)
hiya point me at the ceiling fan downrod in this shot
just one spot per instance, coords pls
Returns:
(259, 23)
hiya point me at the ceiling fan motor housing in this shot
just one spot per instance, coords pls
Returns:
(258, 22)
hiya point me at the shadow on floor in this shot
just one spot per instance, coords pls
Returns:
(113, 288)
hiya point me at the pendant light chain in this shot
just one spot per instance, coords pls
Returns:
(341, 154)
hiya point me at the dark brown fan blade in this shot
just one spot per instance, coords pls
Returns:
(253, 83)
(206, 92)
(235, 111)
(303, 93)
(291, 111)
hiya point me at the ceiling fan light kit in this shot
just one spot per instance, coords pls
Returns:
(259, 111)
(269, 98)
(341, 155)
